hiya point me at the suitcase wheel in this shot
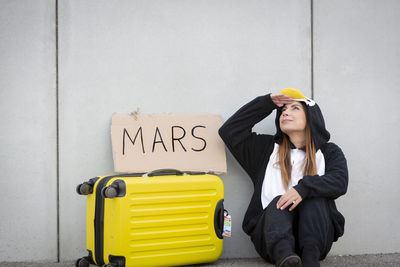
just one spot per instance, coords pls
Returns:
(82, 262)
(116, 189)
(109, 192)
(84, 189)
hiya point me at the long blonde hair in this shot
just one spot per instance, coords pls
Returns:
(284, 162)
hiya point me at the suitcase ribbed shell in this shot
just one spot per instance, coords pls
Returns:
(162, 220)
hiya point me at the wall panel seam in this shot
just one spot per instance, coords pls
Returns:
(312, 46)
(57, 130)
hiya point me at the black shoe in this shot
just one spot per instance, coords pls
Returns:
(290, 261)
(285, 255)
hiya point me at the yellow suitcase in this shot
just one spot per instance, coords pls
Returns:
(163, 218)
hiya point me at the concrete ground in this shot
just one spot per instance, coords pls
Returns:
(370, 260)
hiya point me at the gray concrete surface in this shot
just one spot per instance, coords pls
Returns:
(28, 135)
(357, 54)
(371, 260)
(168, 56)
(189, 56)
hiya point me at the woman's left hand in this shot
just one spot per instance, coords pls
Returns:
(290, 197)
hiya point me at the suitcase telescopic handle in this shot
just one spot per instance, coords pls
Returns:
(161, 172)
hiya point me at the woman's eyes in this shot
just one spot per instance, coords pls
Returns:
(294, 107)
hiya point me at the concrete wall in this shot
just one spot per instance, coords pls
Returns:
(357, 73)
(188, 56)
(167, 56)
(28, 141)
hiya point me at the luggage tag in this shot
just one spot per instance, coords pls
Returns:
(227, 224)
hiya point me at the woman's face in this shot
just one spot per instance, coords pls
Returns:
(293, 118)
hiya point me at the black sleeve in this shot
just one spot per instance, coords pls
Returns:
(333, 183)
(246, 146)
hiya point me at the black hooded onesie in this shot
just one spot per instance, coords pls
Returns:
(253, 151)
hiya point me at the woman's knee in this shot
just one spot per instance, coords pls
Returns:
(313, 205)
(274, 201)
(315, 201)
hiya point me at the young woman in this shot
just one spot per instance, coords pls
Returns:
(297, 174)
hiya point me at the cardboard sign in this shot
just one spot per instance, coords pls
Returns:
(186, 142)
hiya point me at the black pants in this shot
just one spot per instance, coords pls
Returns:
(309, 224)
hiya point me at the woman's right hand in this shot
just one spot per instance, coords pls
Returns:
(280, 99)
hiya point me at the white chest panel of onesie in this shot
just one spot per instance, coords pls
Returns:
(272, 184)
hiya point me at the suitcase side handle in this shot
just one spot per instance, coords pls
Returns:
(162, 172)
(219, 219)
